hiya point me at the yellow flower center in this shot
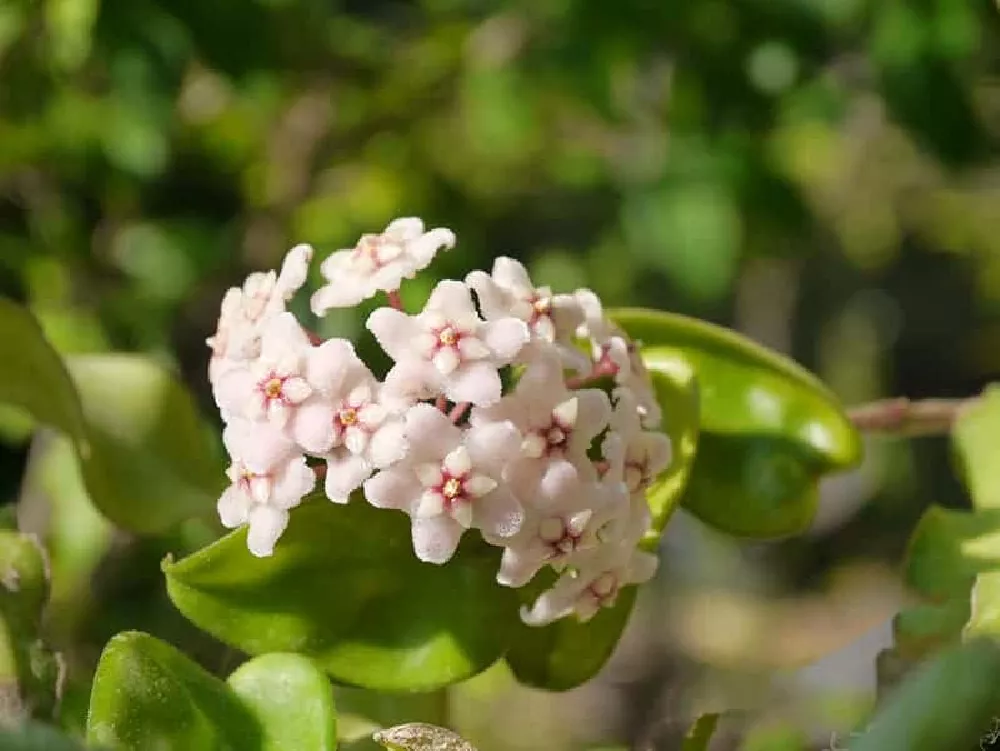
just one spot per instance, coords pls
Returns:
(348, 416)
(452, 488)
(272, 389)
(448, 336)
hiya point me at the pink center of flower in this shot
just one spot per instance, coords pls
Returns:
(556, 437)
(452, 490)
(541, 307)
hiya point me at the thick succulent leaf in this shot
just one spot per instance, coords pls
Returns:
(949, 547)
(292, 701)
(151, 464)
(568, 653)
(344, 588)
(145, 460)
(147, 695)
(677, 393)
(769, 429)
(32, 375)
(948, 703)
(984, 606)
(976, 439)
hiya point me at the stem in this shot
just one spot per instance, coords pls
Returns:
(600, 370)
(442, 404)
(395, 301)
(903, 417)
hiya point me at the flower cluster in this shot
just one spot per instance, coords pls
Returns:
(553, 469)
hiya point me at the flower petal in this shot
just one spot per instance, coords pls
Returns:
(388, 444)
(266, 525)
(435, 538)
(505, 337)
(476, 382)
(393, 488)
(430, 434)
(345, 473)
(233, 507)
(394, 331)
(499, 513)
(452, 299)
(312, 426)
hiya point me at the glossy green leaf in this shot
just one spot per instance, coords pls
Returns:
(145, 460)
(148, 695)
(944, 705)
(769, 429)
(150, 464)
(984, 606)
(292, 701)
(344, 588)
(567, 653)
(701, 732)
(677, 392)
(949, 547)
(976, 438)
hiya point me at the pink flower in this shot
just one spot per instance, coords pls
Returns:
(447, 348)
(450, 481)
(378, 263)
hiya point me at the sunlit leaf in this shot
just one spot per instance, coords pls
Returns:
(146, 462)
(976, 437)
(344, 588)
(769, 429)
(147, 695)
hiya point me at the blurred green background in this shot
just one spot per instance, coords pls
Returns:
(822, 175)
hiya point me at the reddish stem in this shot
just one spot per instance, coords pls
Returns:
(600, 370)
(320, 471)
(458, 411)
(395, 301)
(442, 404)
(314, 338)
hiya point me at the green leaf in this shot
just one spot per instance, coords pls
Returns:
(344, 588)
(976, 439)
(984, 606)
(147, 695)
(949, 547)
(944, 705)
(568, 653)
(150, 465)
(292, 701)
(677, 392)
(145, 460)
(769, 429)
(700, 734)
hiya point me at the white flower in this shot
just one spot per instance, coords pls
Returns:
(644, 454)
(274, 385)
(268, 478)
(595, 584)
(447, 348)
(347, 420)
(610, 347)
(508, 292)
(555, 422)
(565, 517)
(450, 481)
(378, 263)
(245, 310)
